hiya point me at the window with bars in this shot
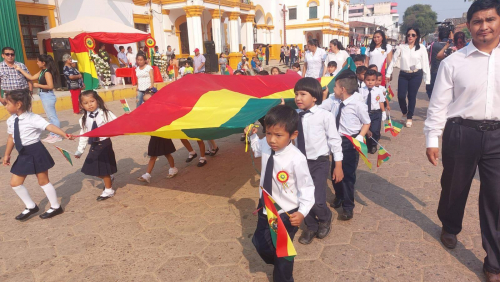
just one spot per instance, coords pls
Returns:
(313, 12)
(30, 26)
(292, 13)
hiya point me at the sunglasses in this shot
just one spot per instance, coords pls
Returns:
(411, 35)
(9, 54)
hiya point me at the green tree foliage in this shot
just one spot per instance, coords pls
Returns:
(467, 33)
(421, 17)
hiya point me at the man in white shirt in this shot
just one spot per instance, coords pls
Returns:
(198, 61)
(130, 57)
(122, 57)
(465, 101)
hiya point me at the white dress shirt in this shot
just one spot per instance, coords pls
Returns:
(30, 127)
(383, 89)
(377, 97)
(300, 190)
(467, 86)
(340, 58)
(354, 113)
(131, 59)
(320, 134)
(100, 120)
(411, 60)
(361, 84)
(314, 63)
(378, 55)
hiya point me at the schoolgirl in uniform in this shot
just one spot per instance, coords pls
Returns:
(100, 161)
(24, 129)
(158, 147)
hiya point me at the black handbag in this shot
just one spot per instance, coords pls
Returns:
(73, 84)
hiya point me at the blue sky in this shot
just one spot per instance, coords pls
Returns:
(444, 8)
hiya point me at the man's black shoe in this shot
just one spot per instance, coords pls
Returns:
(346, 215)
(324, 228)
(307, 237)
(337, 202)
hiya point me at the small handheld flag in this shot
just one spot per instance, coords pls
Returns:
(393, 127)
(279, 234)
(389, 94)
(362, 150)
(66, 155)
(125, 106)
(383, 156)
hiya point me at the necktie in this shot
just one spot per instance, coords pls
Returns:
(369, 100)
(339, 114)
(301, 139)
(94, 126)
(268, 177)
(17, 136)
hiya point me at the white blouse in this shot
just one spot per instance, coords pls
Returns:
(412, 60)
(315, 63)
(378, 56)
(143, 78)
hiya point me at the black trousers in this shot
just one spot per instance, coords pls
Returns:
(319, 212)
(283, 268)
(464, 150)
(345, 188)
(408, 83)
(375, 126)
(430, 87)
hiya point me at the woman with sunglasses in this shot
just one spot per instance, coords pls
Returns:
(414, 67)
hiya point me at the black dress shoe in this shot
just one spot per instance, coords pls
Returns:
(307, 237)
(324, 228)
(191, 157)
(346, 215)
(213, 152)
(242, 138)
(27, 213)
(201, 163)
(448, 240)
(337, 202)
(54, 212)
(491, 277)
(373, 150)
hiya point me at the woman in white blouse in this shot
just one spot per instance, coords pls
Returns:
(414, 67)
(313, 60)
(338, 54)
(145, 77)
(379, 51)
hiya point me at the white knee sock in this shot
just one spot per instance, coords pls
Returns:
(22, 192)
(50, 192)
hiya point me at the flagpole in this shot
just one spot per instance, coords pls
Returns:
(379, 145)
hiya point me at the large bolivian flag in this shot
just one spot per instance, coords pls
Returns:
(204, 106)
(85, 65)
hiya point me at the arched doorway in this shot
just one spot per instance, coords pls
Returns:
(184, 38)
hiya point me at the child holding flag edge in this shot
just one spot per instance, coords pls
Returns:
(285, 176)
(351, 119)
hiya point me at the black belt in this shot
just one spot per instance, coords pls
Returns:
(375, 111)
(44, 90)
(480, 125)
(321, 159)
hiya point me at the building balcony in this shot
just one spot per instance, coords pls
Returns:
(394, 11)
(355, 15)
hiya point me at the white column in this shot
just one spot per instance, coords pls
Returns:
(216, 35)
(247, 26)
(325, 40)
(195, 31)
(233, 27)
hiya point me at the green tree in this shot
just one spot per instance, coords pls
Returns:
(467, 33)
(421, 17)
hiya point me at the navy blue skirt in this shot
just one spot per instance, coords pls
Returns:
(160, 147)
(101, 159)
(32, 159)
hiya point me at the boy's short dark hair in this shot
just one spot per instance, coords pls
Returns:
(361, 69)
(296, 65)
(282, 115)
(372, 66)
(379, 74)
(481, 5)
(121, 48)
(263, 72)
(348, 80)
(332, 64)
(370, 73)
(359, 58)
(312, 86)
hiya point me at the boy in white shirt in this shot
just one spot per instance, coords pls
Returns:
(378, 84)
(374, 99)
(293, 191)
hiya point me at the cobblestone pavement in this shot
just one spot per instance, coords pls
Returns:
(198, 225)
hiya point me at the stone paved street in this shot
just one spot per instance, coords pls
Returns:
(198, 225)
